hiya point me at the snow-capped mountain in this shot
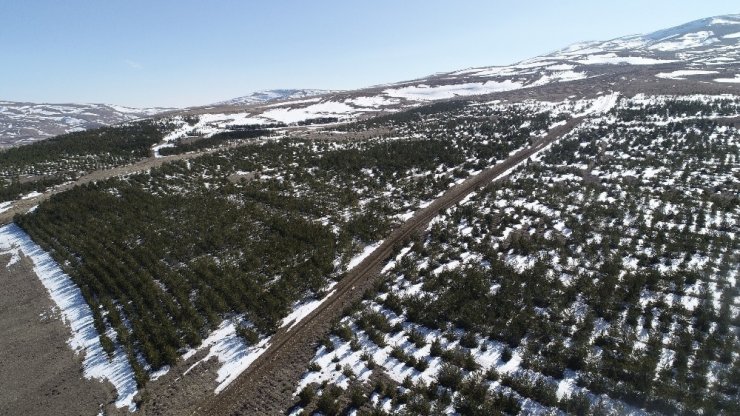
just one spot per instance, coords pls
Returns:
(261, 97)
(700, 56)
(708, 49)
(700, 42)
(22, 122)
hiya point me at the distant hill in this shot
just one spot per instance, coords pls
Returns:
(699, 56)
(23, 122)
(261, 97)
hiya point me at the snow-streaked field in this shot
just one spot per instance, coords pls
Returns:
(613, 59)
(630, 189)
(682, 74)
(233, 353)
(735, 80)
(423, 92)
(76, 314)
(325, 109)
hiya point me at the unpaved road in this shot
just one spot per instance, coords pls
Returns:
(266, 387)
(23, 205)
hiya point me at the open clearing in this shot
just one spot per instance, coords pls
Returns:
(34, 355)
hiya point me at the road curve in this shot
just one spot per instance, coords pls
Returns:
(266, 387)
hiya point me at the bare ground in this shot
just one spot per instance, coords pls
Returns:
(40, 374)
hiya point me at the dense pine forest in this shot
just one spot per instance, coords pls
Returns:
(40, 165)
(246, 231)
(600, 278)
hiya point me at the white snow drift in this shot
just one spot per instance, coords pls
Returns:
(75, 313)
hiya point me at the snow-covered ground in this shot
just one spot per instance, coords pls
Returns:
(424, 92)
(232, 352)
(304, 308)
(602, 104)
(613, 59)
(682, 74)
(689, 40)
(735, 80)
(325, 109)
(76, 314)
(372, 101)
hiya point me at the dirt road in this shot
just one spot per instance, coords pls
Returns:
(266, 387)
(23, 205)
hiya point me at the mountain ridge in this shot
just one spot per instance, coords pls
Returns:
(698, 55)
(26, 122)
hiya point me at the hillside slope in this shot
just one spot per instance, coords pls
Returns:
(698, 57)
(23, 123)
(284, 252)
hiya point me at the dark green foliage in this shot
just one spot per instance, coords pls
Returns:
(317, 120)
(506, 354)
(306, 396)
(249, 335)
(343, 332)
(575, 404)
(450, 376)
(40, 165)
(413, 115)
(108, 345)
(328, 403)
(232, 237)
(357, 397)
(216, 140)
(130, 140)
(468, 340)
(475, 399)
(15, 189)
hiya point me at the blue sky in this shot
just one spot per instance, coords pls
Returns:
(180, 53)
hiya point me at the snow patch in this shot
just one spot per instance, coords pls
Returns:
(613, 59)
(687, 41)
(232, 352)
(360, 257)
(303, 309)
(77, 314)
(326, 109)
(735, 80)
(426, 93)
(682, 74)
(377, 101)
(601, 104)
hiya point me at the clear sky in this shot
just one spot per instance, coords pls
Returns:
(184, 52)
